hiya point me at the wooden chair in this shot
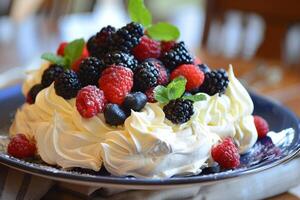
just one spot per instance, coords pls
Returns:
(278, 15)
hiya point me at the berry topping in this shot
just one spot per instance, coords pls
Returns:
(61, 49)
(120, 58)
(51, 74)
(204, 68)
(76, 63)
(146, 76)
(33, 92)
(226, 154)
(67, 84)
(90, 101)
(147, 48)
(215, 82)
(262, 126)
(177, 55)
(197, 61)
(166, 46)
(90, 70)
(192, 73)
(150, 95)
(21, 147)
(179, 111)
(116, 82)
(114, 115)
(135, 101)
(163, 77)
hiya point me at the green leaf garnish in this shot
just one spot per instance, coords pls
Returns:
(196, 97)
(59, 60)
(163, 31)
(74, 50)
(161, 94)
(176, 88)
(139, 13)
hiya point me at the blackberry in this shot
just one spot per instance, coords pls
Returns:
(121, 58)
(179, 111)
(145, 76)
(90, 70)
(67, 84)
(178, 55)
(50, 74)
(33, 92)
(127, 37)
(215, 82)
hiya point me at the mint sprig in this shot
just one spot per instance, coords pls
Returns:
(72, 53)
(175, 90)
(139, 13)
(163, 31)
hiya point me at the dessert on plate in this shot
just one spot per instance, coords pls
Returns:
(135, 101)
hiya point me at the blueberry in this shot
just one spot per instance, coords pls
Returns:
(204, 68)
(135, 101)
(214, 168)
(114, 115)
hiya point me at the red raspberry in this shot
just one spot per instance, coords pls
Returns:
(261, 125)
(90, 101)
(84, 54)
(192, 73)
(21, 147)
(61, 49)
(166, 46)
(150, 95)
(226, 154)
(197, 61)
(147, 48)
(116, 82)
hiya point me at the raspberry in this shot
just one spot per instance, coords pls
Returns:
(50, 74)
(150, 95)
(192, 73)
(147, 48)
(116, 82)
(197, 61)
(61, 49)
(226, 154)
(177, 55)
(163, 77)
(33, 92)
(67, 84)
(90, 70)
(166, 46)
(215, 82)
(21, 147)
(179, 111)
(76, 63)
(145, 76)
(261, 125)
(120, 58)
(90, 101)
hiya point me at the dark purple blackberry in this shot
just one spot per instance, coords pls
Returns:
(145, 76)
(127, 37)
(121, 58)
(50, 74)
(90, 71)
(178, 55)
(179, 111)
(67, 84)
(33, 92)
(215, 82)
(98, 45)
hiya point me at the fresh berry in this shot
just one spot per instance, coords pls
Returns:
(215, 82)
(197, 61)
(21, 147)
(214, 168)
(163, 77)
(226, 154)
(33, 92)
(204, 68)
(177, 55)
(150, 95)
(114, 115)
(261, 125)
(120, 58)
(116, 82)
(135, 101)
(61, 49)
(67, 84)
(192, 73)
(90, 101)
(76, 63)
(90, 70)
(50, 74)
(146, 76)
(127, 37)
(179, 111)
(166, 46)
(147, 48)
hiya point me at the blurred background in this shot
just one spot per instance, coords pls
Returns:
(260, 38)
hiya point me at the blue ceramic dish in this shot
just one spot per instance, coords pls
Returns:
(264, 155)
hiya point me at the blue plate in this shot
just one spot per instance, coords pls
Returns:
(264, 155)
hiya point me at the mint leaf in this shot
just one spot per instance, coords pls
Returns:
(196, 97)
(53, 58)
(74, 50)
(163, 31)
(176, 88)
(161, 94)
(139, 13)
